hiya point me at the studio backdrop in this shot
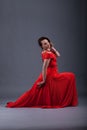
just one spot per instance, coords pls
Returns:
(22, 22)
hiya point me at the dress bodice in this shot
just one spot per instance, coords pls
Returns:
(52, 67)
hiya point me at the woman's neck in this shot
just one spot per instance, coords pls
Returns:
(43, 51)
(46, 49)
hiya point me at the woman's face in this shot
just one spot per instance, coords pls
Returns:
(45, 44)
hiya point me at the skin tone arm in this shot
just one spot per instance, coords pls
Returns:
(44, 70)
(55, 51)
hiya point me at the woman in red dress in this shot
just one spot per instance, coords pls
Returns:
(51, 89)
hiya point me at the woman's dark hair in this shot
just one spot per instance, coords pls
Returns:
(43, 38)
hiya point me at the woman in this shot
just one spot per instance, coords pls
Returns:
(52, 89)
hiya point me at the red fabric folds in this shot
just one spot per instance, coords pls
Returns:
(58, 91)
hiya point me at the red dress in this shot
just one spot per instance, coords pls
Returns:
(58, 91)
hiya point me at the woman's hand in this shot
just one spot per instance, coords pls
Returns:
(40, 84)
(55, 51)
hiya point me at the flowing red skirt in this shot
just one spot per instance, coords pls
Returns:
(59, 91)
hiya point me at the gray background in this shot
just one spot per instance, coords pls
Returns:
(22, 22)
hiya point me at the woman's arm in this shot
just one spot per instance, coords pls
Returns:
(44, 71)
(44, 68)
(55, 51)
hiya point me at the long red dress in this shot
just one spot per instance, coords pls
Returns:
(58, 91)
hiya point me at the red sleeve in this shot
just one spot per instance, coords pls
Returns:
(47, 55)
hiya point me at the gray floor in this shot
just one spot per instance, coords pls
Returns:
(69, 118)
